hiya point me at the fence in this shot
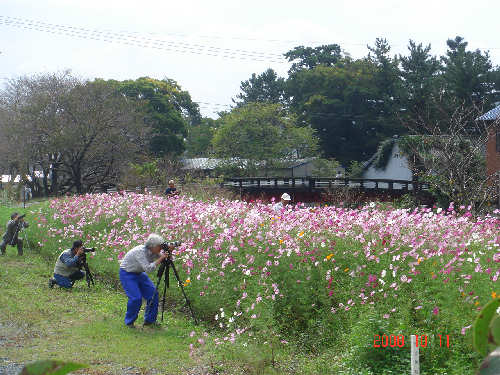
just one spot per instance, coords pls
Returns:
(320, 183)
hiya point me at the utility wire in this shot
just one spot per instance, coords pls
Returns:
(132, 36)
(129, 39)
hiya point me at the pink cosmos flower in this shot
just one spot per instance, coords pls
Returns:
(465, 329)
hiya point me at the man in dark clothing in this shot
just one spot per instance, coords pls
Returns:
(67, 268)
(171, 190)
(14, 225)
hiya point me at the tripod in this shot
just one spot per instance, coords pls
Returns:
(25, 239)
(88, 275)
(164, 269)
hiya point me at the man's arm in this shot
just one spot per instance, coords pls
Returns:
(10, 229)
(69, 260)
(140, 256)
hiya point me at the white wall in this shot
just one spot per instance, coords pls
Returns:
(397, 169)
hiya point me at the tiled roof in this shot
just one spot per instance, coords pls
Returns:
(200, 163)
(494, 114)
(208, 163)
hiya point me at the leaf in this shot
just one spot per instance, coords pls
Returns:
(481, 326)
(491, 364)
(494, 336)
(51, 367)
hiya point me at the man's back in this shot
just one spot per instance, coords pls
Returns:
(138, 259)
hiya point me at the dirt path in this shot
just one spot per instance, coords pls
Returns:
(9, 336)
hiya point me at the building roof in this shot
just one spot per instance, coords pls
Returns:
(209, 163)
(200, 163)
(494, 114)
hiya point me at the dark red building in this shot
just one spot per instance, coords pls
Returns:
(493, 144)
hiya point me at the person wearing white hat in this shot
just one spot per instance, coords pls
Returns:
(285, 199)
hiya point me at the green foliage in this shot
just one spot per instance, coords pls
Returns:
(486, 321)
(168, 111)
(452, 165)
(406, 201)
(491, 364)
(308, 57)
(383, 153)
(51, 367)
(355, 169)
(302, 316)
(340, 104)
(325, 167)
(421, 80)
(257, 132)
(264, 88)
(199, 140)
(467, 73)
(487, 337)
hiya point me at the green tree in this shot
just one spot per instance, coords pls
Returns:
(168, 112)
(467, 74)
(259, 134)
(264, 88)
(308, 57)
(388, 84)
(74, 131)
(199, 140)
(341, 104)
(421, 79)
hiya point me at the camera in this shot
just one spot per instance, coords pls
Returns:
(89, 250)
(165, 245)
(21, 217)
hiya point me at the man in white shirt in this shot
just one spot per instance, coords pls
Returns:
(285, 199)
(135, 282)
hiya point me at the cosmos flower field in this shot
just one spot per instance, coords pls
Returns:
(324, 277)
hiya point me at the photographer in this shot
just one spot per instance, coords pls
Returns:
(135, 282)
(14, 225)
(67, 268)
(282, 204)
(171, 190)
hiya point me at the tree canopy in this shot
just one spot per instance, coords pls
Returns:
(74, 132)
(260, 132)
(353, 104)
(168, 111)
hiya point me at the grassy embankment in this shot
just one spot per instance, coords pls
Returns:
(86, 325)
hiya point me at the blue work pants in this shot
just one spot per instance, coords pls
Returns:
(138, 286)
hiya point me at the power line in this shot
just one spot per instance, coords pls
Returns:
(129, 39)
(168, 47)
(126, 35)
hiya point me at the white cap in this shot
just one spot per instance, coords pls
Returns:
(286, 197)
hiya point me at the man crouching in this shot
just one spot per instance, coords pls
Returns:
(135, 282)
(67, 268)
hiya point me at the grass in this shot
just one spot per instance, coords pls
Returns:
(86, 325)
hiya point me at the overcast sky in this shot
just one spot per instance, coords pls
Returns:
(209, 47)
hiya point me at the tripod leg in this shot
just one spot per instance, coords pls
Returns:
(26, 240)
(165, 286)
(160, 274)
(184, 293)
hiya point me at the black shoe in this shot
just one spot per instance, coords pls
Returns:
(152, 324)
(131, 325)
(52, 282)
